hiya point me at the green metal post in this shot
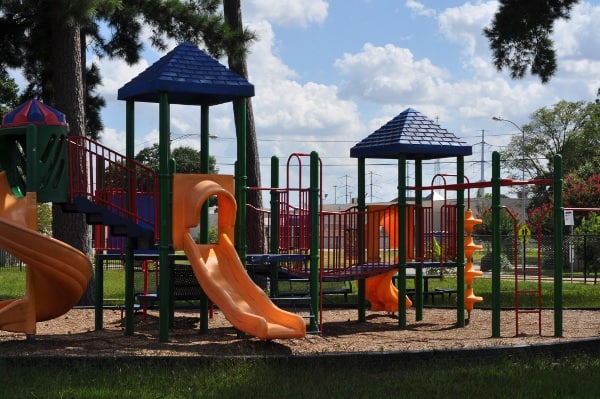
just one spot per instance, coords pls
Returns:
(204, 166)
(401, 244)
(33, 155)
(362, 316)
(314, 240)
(241, 178)
(164, 215)
(558, 246)
(496, 247)
(99, 287)
(419, 233)
(129, 247)
(130, 285)
(460, 243)
(274, 239)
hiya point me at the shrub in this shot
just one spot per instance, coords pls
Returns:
(486, 263)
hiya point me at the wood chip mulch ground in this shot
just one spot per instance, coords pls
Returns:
(73, 334)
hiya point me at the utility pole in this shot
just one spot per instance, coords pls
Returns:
(481, 191)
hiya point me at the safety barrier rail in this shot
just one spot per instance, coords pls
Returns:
(105, 178)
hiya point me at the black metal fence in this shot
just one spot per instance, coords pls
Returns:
(581, 253)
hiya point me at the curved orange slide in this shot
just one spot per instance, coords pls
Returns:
(382, 294)
(218, 267)
(57, 274)
(380, 290)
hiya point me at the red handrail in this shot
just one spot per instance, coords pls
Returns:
(105, 177)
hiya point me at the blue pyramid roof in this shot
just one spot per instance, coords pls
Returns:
(190, 77)
(411, 134)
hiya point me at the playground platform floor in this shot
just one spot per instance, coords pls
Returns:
(73, 335)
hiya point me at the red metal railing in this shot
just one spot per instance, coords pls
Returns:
(104, 177)
(339, 237)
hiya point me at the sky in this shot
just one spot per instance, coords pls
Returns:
(329, 73)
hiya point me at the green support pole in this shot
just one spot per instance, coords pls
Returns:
(419, 227)
(558, 247)
(129, 250)
(274, 238)
(401, 244)
(129, 286)
(204, 166)
(362, 313)
(496, 247)
(460, 243)
(241, 178)
(164, 215)
(315, 274)
(172, 169)
(33, 156)
(98, 264)
(99, 287)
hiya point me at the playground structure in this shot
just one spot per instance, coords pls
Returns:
(113, 190)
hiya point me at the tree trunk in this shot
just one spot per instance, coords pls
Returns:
(255, 228)
(69, 96)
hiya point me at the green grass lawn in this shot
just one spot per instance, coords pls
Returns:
(538, 376)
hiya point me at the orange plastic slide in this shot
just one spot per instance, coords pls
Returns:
(380, 290)
(382, 294)
(56, 275)
(218, 267)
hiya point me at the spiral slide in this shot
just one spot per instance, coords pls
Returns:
(380, 290)
(57, 274)
(382, 294)
(218, 267)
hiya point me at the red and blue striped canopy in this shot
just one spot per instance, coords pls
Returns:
(33, 112)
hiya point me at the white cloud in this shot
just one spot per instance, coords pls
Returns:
(464, 25)
(419, 8)
(282, 104)
(579, 36)
(385, 74)
(287, 12)
(266, 65)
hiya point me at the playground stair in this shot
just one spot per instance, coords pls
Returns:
(120, 226)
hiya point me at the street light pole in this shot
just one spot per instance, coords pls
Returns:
(523, 211)
(499, 119)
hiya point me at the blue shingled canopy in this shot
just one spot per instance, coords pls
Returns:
(411, 134)
(190, 77)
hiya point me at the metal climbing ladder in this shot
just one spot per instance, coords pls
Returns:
(528, 273)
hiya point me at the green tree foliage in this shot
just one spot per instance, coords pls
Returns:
(30, 38)
(9, 92)
(44, 218)
(187, 159)
(565, 128)
(519, 36)
(570, 129)
(507, 224)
